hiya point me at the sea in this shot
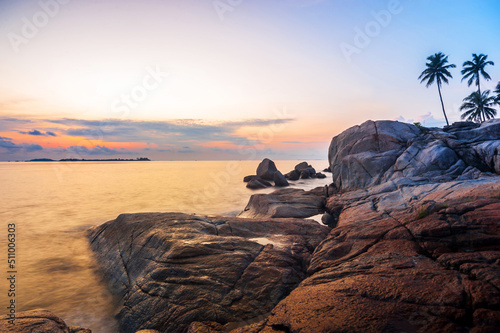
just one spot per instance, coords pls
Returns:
(52, 204)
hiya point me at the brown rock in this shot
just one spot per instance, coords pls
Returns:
(385, 269)
(288, 202)
(38, 321)
(175, 269)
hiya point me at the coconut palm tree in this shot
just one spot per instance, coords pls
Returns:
(437, 70)
(497, 91)
(473, 70)
(477, 106)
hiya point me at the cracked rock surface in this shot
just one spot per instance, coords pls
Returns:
(391, 268)
(376, 152)
(173, 269)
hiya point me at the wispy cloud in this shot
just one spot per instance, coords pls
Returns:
(38, 133)
(173, 131)
(426, 119)
(191, 138)
(7, 144)
(33, 147)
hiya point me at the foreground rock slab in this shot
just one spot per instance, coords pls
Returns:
(174, 269)
(38, 321)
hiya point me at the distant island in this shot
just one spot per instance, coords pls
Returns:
(90, 160)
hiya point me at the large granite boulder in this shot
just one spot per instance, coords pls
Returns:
(266, 169)
(172, 269)
(380, 151)
(38, 321)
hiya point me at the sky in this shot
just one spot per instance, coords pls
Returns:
(225, 79)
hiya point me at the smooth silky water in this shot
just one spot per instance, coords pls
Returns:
(53, 203)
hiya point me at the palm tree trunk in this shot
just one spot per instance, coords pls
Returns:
(442, 104)
(479, 91)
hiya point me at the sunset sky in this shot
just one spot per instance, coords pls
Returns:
(225, 79)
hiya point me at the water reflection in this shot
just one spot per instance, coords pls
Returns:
(52, 205)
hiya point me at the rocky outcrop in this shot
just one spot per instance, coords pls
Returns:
(288, 202)
(403, 259)
(388, 151)
(413, 245)
(38, 321)
(172, 269)
(267, 170)
(303, 170)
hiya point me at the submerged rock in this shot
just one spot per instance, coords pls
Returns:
(258, 183)
(38, 321)
(246, 179)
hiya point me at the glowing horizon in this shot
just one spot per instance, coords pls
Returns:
(195, 80)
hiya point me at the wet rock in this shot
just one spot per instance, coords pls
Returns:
(266, 169)
(280, 180)
(328, 220)
(285, 203)
(246, 179)
(293, 175)
(258, 183)
(301, 166)
(307, 173)
(319, 175)
(173, 269)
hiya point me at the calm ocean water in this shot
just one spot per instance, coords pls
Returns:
(53, 203)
